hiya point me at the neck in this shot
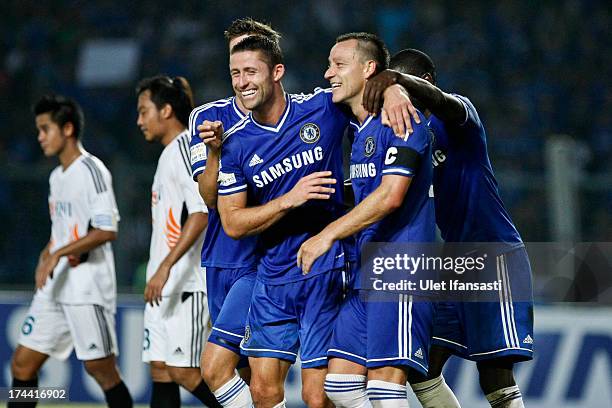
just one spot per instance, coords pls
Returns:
(357, 108)
(270, 112)
(69, 154)
(173, 131)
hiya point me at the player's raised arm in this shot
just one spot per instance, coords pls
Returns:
(210, 133)
(239, 220)
(444, 105)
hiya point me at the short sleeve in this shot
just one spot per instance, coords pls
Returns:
(231, 177)
(102, 206)
(190, 193)
(403, 155)
(471, 115)
(197, 148)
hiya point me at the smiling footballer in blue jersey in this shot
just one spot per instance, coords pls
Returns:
(378, 344)
(469, 209)
(278, 172)
(230, 264)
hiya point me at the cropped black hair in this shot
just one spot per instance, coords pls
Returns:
(62, 110)
(413, 62)
(175, 92)
(370, 46)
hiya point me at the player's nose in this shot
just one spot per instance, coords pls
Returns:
(329, 74)
(243, 81)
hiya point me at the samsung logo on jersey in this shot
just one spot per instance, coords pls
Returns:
(363, 170)
(288, 164)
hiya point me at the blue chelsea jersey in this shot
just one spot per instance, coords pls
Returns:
(267, 162)
(377, 152)
(468, 205)
(218, 250)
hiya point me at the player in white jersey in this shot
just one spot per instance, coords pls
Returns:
(176, 322)
(74, 305)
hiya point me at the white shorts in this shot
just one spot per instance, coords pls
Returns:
(54, 328)
(176, 330)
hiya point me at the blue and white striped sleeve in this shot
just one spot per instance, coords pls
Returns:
(231, 177)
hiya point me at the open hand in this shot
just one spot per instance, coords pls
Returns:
(153, 290)
(311, 250)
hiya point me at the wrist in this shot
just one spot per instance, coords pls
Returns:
(329, 234)
(166, 265)
(285, 203)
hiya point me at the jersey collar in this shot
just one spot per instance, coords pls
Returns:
(284, 116)
(365, 123)
(236, 108)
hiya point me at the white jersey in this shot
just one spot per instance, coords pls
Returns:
(174, 196)
(81, 197)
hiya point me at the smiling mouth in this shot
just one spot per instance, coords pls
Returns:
(336, 85)
(248, 93)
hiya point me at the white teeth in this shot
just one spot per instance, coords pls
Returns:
(249, 92)
(335, 85)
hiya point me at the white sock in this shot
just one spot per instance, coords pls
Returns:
(435, 393)
(281, 404)
(347, 390)
(234, 394)
(383, 394)
(509, 397)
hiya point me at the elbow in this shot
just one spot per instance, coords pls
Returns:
(234, 233)
(231, 229)
(392, 202)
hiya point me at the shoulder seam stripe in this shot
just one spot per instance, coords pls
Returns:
(95, 175)
(184, 155)
(194, 113)
(98, 172)
(238, 126)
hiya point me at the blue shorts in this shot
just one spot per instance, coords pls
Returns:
(381, 333)
(294, 316)
(349, 340)
(485, 330)
(229, 298)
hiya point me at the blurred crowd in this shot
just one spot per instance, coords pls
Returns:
(533, 69)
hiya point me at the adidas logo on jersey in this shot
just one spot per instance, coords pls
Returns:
(93, 346)
(178, 351)
(528, 340)
(255, 160)
(419, 353)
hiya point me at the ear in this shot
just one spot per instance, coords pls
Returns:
(369, 69)
(166, 111)
(427, 76)
(68, 129)
(278, 72)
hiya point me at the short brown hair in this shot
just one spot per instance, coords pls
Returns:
(248, 25)
(269, 48)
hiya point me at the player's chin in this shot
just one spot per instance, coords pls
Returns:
(251, 103)
(338, 97)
